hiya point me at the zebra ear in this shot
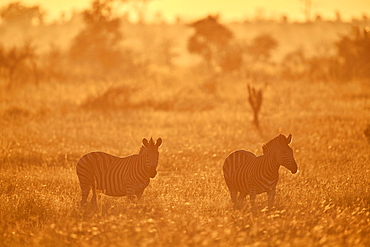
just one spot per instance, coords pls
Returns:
(159, 142)
(289, 139)
(145, 142)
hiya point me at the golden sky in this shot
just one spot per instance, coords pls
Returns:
(229, 9)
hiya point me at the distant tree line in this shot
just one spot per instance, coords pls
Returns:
(98, 51)
(215, 43)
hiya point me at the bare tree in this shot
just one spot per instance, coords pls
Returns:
(255, 101)
(139, 7)
(307, 9)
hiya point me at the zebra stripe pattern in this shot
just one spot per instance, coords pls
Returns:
(116, 176)
(248, 174)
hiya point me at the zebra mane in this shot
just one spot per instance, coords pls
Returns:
(277, 141)
(141, 150)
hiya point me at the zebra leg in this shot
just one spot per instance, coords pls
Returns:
(85, 189)
(131, 193)
(242, 196)
(94, 202)
(234, 195)
(232, 190)
(240, 201)
(139, 194)
(252, 195)
(271, 198)
(131, 197)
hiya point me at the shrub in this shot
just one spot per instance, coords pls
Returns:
(367, 133)
(353, 51)
(19, 14)
(262, 47)
(115, 98)
(17, 64)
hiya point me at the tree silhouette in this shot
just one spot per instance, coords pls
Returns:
(98, 44)
(213, 42)
(18, 14)
(18, 63)
(354, 53)
(261, 47)
(140, 8)
(307, 9)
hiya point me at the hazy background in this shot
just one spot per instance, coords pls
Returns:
(83, 76)
(230, 10)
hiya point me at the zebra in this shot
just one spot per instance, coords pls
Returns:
(247, 173)
(116, 176)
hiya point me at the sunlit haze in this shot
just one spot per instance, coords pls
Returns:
(184, 123)
(229, 10)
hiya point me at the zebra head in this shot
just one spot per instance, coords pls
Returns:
(150, 150)
(285, 154)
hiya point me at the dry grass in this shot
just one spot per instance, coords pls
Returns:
(45, 130)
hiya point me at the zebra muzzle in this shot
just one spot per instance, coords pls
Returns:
(152, 173)
(295, 169)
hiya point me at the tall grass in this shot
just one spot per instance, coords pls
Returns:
(45, 130)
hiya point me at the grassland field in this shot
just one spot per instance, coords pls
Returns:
(45, 129)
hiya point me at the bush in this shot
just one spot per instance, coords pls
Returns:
(262, 47)
(353, 51)
(17, 64)
(351, 61)
(18, 14)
